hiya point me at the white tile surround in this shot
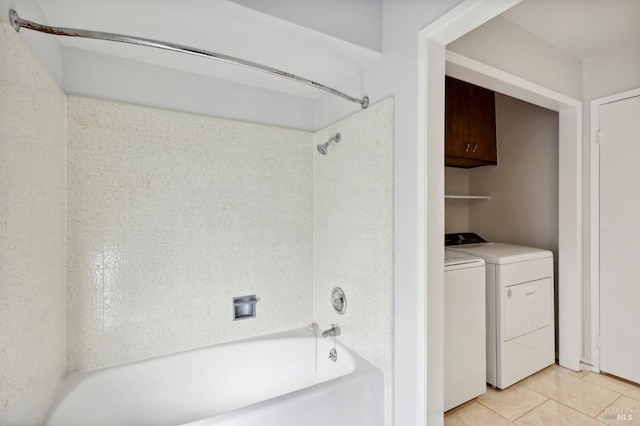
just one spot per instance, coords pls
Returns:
(32, 234)
(353, 202)
(170, 216)
(156, 201)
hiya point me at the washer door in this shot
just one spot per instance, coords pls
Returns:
(527, 307)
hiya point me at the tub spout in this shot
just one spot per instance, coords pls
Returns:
(333, 331)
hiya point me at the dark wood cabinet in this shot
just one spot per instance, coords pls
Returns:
(470, 125)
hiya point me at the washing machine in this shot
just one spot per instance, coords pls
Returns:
(519, 303)
(465, 329)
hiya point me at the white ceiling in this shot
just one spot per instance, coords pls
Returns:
(581, 28)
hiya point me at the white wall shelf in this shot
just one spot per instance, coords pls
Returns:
(467, 197)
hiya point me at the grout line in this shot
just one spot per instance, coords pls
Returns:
(559, 402)
(578, 411)
(539, 405)
(533, 408)
(510, 421)
(490, 409)
(469, 403)
(590, 383)
(616, 380)
(612, 402)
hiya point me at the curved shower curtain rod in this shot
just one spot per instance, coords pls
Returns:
(18, 23)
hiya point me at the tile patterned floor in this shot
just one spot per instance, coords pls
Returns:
(555, 396)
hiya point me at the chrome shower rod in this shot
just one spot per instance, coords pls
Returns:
(18, 23)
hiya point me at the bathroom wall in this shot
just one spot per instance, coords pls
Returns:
(353, 189)
(170, 215)
(32, 233)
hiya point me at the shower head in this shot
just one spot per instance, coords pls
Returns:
(323, 148)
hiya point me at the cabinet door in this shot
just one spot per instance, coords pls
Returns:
(457, 114)
(470, 125)
(482, 123)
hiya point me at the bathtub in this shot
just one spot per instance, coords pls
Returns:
(284, 379)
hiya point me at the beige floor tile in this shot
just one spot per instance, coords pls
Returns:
(624, 411)
(552, 413)
(459, 407)
(475, 414)
(511, 402)
(576, 393)
(614, 385)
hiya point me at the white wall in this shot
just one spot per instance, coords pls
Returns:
(32, 233)
(170, 215)
(355, 21)
(607, 73)
(353, 242)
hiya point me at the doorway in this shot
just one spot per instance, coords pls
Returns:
(435, 61)
(615, 293)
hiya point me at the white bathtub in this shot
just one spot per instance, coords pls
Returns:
(268, 381)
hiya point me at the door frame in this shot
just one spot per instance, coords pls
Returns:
(594, 148)
(433, 62)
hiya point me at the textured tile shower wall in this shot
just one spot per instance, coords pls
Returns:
(32, 234)
(354, 235)
(170, 215)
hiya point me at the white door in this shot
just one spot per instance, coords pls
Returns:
(620, 238)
